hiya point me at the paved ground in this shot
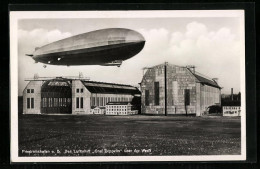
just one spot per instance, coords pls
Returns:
(61, 135)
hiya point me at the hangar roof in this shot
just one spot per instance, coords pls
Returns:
(53, 84)
(206, 81)
(110, 88)
(200, 77)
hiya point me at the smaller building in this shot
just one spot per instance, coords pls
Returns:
(119, 108)
(231, 104)
(97, 110)
(231, 111)
(231, 108)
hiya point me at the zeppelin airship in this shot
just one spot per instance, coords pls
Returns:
(107, 47)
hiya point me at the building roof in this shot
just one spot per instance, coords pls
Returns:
(110, 88)
(118, 103)
(231, 103)
(92, 86)
(204, 80)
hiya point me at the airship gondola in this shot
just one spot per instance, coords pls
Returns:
(107, 47)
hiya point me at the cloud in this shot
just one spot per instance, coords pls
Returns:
(195, 30)
(214, 53)
(27, 42)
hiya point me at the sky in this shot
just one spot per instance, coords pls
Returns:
(209, 43)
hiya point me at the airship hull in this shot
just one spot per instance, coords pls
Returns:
(93, 56)
(101, 47)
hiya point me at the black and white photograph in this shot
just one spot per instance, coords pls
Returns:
(108, 86)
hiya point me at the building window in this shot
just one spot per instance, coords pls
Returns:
(55, 102)
(147, 97)
(81, 100)
(101, 100)
(81, 90)
(28, 90)
(28, 103)
(42, 102)
(45, 102)
(50, 102)
(97, 101)
(187, 97)
(77, 90)
(64, 102)
(77, 102)
(60, 102)
(32, 103)
(32, 90)
(156, 93)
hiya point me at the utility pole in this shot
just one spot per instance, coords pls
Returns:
(165, 88)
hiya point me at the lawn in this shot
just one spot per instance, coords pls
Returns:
(98, 135)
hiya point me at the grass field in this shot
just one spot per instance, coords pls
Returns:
(92, 135)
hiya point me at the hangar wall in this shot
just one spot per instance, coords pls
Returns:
(32, 98)
(178, 79)
(186, 91)
(209, 96)
(72, 96)
(80, 98)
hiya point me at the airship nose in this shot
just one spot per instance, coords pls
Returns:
(133, 36)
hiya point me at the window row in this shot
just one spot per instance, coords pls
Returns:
(102, 101)
(56, 102)
(230, 107)
(116, 106)
(114, 109)
(79, 90)
(30, 90)
(116, 113)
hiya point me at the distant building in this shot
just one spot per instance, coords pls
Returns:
(231, 104)
(73, 96)
(97, 110)
(119, 108)
(231, 110)
(186, 90)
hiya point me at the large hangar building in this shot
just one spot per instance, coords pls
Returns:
(72, 96)
(180, 89)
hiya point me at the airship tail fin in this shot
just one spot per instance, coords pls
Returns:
(31, 55)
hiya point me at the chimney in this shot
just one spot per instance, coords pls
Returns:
(232, 94)
(80, 75)
(193, 69)
(36, 76)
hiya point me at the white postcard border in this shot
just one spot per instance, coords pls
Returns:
(16, 15)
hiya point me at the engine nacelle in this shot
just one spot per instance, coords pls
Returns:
(114, 63)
